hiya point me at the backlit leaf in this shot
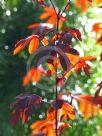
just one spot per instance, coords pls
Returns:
(82, 64)
(83, 4)
(33, 46)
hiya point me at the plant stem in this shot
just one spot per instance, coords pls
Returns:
(56, 91)
(65, 8)
(57, 24)
(57, 30)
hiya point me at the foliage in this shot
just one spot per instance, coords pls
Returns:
(66, 37)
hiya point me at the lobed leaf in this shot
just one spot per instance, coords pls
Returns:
(22, 107)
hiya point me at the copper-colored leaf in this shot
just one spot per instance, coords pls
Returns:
(83, 4)
(63, 127)
(45, 41)
(64, 111)
(49, 13)
(98, 1)
(43, 127)
(82, 64)
(88, 104)
(89, 99)
(33, 75)
(17, 50)
(34, 44)
(47, 128)
(97, 28)
(88, 110)
(67, 112)
(20, 45)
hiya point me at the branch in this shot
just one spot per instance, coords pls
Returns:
(65, 8)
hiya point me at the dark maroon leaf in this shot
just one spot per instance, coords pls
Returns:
(20, 42)
(65, 63)
(86, 70)
(77, 33)
(74, 32)
(22, 108)
(45, 31)
(52, 60)
(67, 38)
(45, 53)
(68, 49)
(61, 81)
(72, 51)
(99, 88)
(40, 134)
(57, 104)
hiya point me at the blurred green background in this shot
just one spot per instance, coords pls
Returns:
(15, 16)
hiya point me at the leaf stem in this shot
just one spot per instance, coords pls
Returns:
(57, 30)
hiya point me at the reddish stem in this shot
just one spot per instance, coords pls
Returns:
(56, 91)
(65, 8)
(58, 15)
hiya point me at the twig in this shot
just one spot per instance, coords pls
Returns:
(65, 8)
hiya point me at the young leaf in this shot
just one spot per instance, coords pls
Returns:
(82, 4)
(49, 13)
(82, 64)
